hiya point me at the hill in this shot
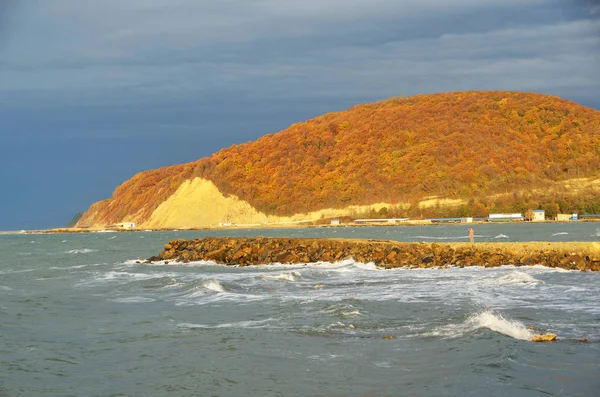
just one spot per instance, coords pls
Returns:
(480, 151)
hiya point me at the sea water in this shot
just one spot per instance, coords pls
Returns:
(79, 317)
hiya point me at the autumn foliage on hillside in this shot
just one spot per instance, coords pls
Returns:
(469, 145)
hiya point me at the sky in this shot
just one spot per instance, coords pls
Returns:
(92, 92)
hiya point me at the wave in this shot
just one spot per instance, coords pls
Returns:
(283, 276)
(80, 251)
(560, 234)
(125, 276)
(342, 310)
(131, 262)
(546, 269)
(500, 236)
(134, 299)
(346, 265)
(517, 278)
(484, 320)
(172, 263)
(213, 285)
(68, 267)
(439, 238)
(239, 324)
(497, 323)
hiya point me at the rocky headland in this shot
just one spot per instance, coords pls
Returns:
(385, 254)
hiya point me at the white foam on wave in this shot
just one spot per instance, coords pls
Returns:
(110, 238)
(115, 275)
(560, 234)
(597, 234)
(130, 262)
(68, 267)
(486, 319)
(497, 323)
(213, 285)
(438, 237)
(239, 324)
(500, 236)
(171, 263)
(343, 310)
(282, 276)
(134, 299)
(80, 251)
(546, 269)
(346, 265)
(517, 278)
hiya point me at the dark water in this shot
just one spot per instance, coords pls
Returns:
(78, 317)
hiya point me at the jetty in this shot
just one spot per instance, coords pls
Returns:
(246, 251)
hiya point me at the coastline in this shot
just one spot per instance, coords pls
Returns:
(413, 223)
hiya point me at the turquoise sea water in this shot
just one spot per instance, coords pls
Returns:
(78, 317)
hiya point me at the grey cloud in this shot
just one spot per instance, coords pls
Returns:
(136, 50)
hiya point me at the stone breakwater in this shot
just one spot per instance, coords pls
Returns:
(385, 254)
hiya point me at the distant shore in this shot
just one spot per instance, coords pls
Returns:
(386, 254)
(279, 226)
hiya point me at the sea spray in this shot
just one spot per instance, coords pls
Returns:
(283, 276)
(497, 323)
(485, 319)
(517, 278)
(213, 285)
(80, 251)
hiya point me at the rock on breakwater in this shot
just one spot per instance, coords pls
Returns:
(385, 254)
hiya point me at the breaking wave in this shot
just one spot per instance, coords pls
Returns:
(497, 323)
(80, 251)
(484, 320)
(283, 276)
(517, 278)
(240, 324)
(213, 285)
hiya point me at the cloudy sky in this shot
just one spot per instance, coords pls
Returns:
(92, 92)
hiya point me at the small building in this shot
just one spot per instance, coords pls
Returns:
(451, 220)
(381, 220)
(566, 217)
(334, 222)
(123, 225)
(505, 217)
(539, 215)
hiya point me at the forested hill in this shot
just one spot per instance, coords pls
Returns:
(469, 145)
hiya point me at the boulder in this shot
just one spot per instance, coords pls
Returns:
(543, 338)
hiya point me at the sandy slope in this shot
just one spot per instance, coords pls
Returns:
(199, 203)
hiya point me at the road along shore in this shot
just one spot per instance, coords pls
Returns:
(584, 256)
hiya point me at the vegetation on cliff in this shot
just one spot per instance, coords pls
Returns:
(496, 150)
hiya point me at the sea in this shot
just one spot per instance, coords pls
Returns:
(79, 316)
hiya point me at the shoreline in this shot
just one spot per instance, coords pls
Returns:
(66, 230)
(386, 254)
